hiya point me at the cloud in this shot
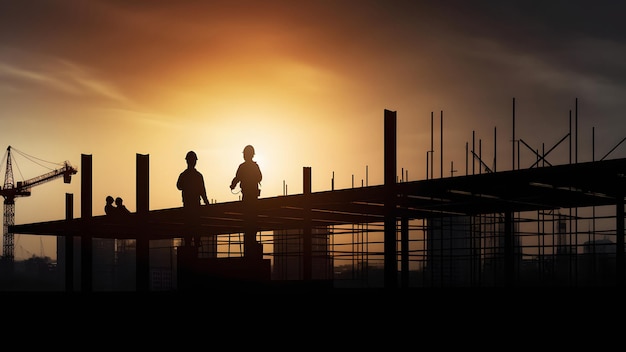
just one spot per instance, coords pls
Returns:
(57, 76)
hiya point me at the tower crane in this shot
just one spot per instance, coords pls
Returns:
(12, 190)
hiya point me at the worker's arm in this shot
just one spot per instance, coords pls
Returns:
(205, 199)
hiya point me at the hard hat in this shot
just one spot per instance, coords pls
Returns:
(191, 156)
(248, 149)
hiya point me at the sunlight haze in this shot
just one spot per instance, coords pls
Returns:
(306, 83)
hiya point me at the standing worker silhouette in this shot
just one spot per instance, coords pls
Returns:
(249, 176)
(191, 183)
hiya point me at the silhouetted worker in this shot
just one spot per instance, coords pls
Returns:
(120, 208)
(249, 176)
(109, 208)
(191, 183)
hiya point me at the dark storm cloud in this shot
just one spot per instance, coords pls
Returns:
(544, 50)
(586, 37)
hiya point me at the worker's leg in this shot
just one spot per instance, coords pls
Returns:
(251, 246)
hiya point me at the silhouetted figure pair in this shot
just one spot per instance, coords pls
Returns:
(191, 184)
(118, 210)
(249, 176)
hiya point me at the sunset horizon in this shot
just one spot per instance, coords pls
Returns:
(305, 83)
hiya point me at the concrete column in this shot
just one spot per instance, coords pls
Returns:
(86, 245)
(143, 242)
(68, 253)
(391, 261)
(307, 232)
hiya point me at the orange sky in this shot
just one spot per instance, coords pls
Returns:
(305, 82)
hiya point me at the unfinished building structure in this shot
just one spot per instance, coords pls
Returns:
(521, 227)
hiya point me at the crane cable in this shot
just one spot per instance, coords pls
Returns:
(30, 158)
(38, 161)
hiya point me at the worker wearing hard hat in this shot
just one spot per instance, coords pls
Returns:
(248, 176)
(191, 183)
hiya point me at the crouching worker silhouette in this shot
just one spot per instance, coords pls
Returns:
(117, 211)
(191, 183)
(249, 176)
(109, 208)
(120, 208)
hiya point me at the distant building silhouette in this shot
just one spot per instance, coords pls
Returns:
(462, 248)
(288, 255)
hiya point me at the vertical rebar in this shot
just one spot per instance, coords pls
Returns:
(576, 117)
(441, 143)
(513, 140)
(431, 144)
(495, 145)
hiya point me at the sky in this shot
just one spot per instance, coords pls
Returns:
(306, 83)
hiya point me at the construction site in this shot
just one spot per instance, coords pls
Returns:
(537, 225)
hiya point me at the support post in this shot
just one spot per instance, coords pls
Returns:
(252, 249)
(404, 252)
(390, 256)
(509, 257)
(620, 270)
(307, 242)
(86, 245)
(68, 253)
(143, 242)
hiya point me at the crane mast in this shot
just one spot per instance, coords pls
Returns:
(11, 190)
